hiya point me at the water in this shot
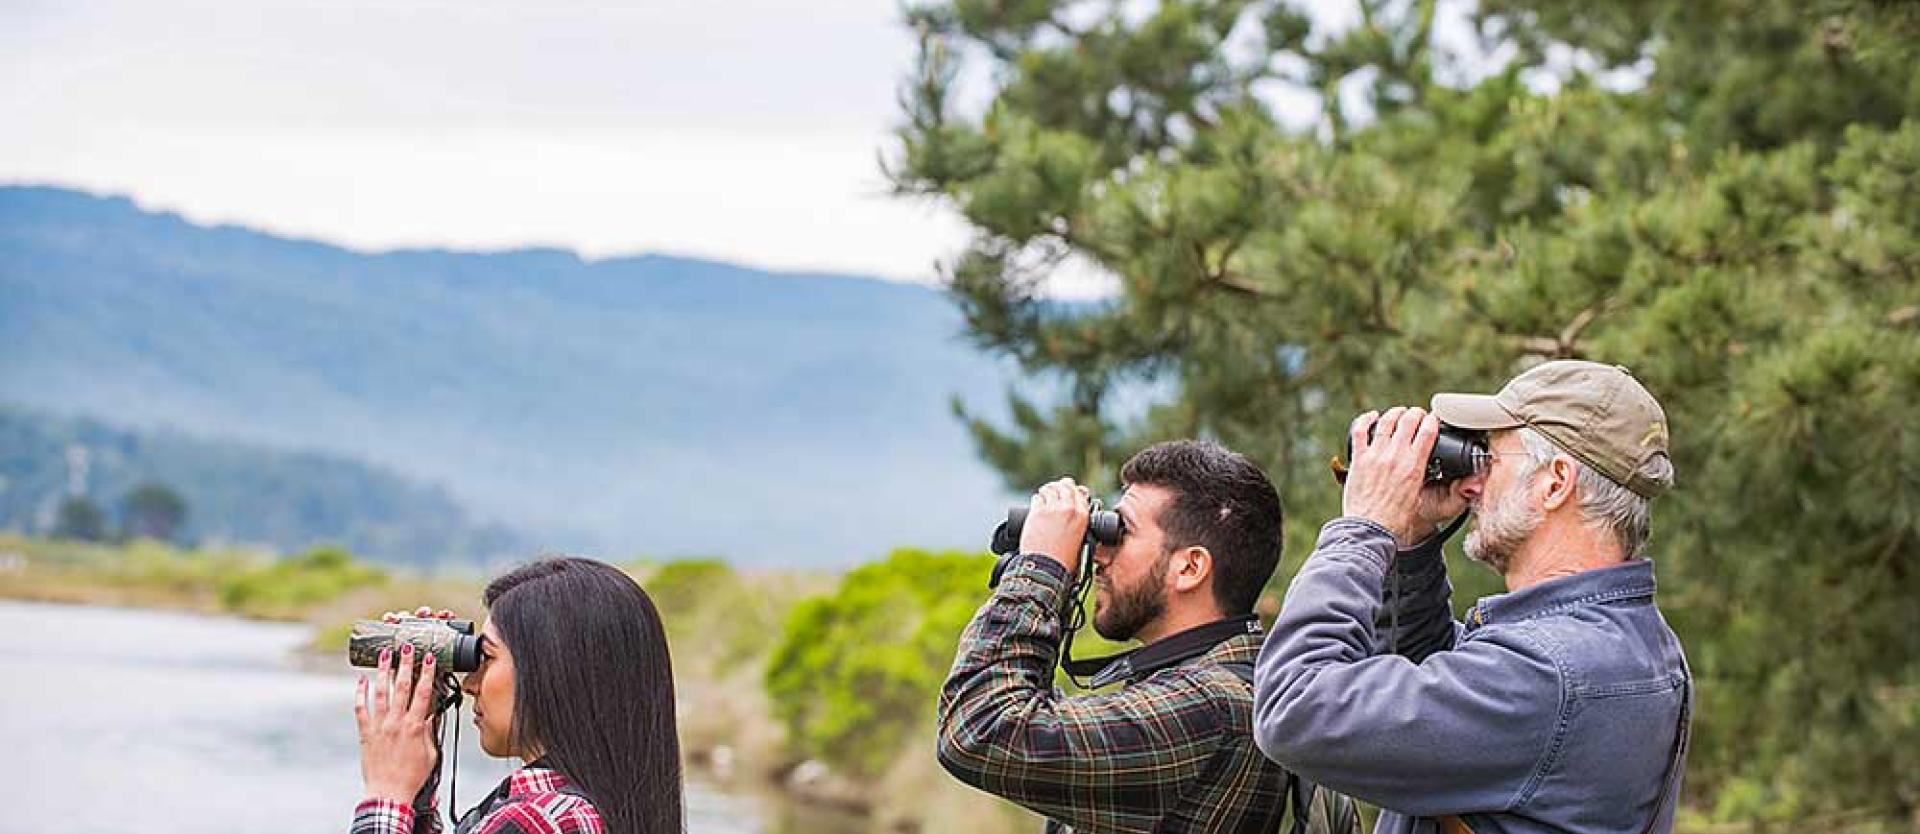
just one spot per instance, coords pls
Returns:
(117, 720)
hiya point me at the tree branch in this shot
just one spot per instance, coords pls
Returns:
(1572, 331)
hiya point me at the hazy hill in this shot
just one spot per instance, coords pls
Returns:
(235, 493)
(647, 404)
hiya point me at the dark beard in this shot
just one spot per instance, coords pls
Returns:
(1130, 609)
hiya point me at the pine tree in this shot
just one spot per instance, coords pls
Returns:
(1742, 230)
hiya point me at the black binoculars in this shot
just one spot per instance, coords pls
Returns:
(1103, 527)
(1456, 454)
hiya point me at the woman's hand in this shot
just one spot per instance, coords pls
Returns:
(394, 710)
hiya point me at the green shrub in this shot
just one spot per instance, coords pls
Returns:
(681, 588)
(857, 670)
(318, 575)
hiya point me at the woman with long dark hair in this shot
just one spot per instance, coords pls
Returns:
(574, 680)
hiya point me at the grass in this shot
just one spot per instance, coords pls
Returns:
(722, 624)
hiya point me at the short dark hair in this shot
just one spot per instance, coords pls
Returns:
(1222, 502)
(593, 687)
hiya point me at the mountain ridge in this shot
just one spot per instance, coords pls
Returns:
(637, 403)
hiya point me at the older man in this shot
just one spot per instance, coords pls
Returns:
(1559, 706)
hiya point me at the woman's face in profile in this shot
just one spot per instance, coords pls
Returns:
(491, 688)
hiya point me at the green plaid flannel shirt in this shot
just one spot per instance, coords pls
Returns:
(1171, 752)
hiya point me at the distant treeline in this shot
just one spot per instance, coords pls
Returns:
(55, 471)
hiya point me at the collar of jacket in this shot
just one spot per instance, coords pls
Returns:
(1626, 580)
(1171, 650)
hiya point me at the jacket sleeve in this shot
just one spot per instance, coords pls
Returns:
(1416, 610)
(1005, 730)
(1465, 730)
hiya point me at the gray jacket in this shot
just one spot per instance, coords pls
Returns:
(1554, 709)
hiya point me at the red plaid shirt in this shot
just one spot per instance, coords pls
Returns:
(533, 800)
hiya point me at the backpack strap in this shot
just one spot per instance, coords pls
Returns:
(1299, 802)
(1677, 761)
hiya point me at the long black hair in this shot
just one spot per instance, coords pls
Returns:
(593, 687)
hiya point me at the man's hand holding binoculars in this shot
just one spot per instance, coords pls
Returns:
(1056, 522)
(1386, 480)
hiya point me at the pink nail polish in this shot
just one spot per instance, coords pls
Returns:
(406, 649)
(386, 655)
(429, 660)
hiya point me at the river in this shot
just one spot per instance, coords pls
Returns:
(119, 720)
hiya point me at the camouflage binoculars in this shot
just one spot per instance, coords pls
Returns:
(454, 646)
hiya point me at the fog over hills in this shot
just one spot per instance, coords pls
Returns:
(650, 404)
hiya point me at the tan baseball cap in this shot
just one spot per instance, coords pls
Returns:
(1598, 413)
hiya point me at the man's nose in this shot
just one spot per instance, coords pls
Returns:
(1471, 487)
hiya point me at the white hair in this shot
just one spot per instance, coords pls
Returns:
(1628, 515)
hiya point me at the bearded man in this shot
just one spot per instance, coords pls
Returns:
(1560, 706)
(1172, 750)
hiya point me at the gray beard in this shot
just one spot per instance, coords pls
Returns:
(1499, 529)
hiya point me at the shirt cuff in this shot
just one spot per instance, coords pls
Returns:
(382, 816)
(1037, 573)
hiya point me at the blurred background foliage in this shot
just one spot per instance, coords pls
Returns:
(1720, 195)
(856, 671)
(287, 586)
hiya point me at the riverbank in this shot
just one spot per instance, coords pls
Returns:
(723, 626)
(171, 704)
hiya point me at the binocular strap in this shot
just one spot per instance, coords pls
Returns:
(448, 696)
(1160, 654)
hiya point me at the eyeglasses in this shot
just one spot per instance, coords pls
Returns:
(1483, 459)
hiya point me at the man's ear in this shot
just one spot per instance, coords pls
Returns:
(1562, 475)
(1191, 569)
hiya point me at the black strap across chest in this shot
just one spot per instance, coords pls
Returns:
(1160, 654)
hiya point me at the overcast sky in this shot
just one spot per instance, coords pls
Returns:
(745, 130)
